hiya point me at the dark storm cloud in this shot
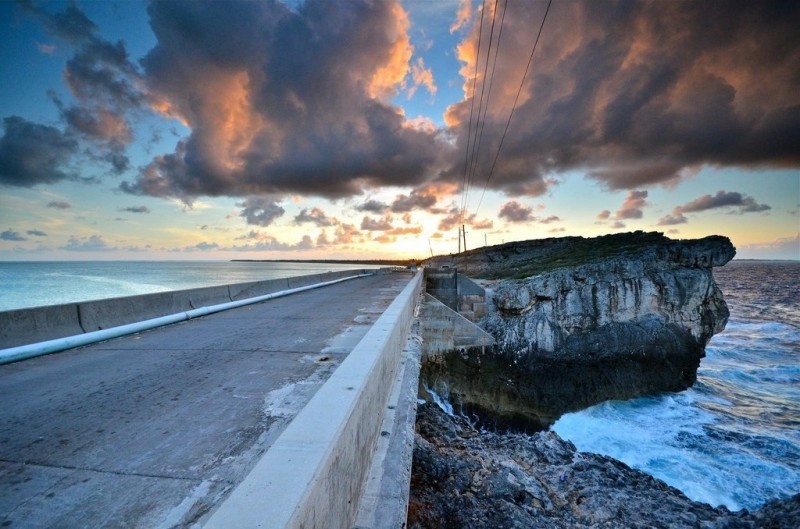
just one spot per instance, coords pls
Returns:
(32, 154)
(283, 101)
(11, 235)
(636, 93)
(260, 211)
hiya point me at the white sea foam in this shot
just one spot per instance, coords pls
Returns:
(733, 439)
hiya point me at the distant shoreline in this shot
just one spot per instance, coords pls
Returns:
(385, 262)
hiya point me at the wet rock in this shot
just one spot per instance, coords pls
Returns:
(463, 477)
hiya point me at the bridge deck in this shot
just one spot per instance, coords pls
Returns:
(153, 430)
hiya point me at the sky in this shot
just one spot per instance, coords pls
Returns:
(358, 129)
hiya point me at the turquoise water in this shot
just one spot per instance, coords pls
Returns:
(33, 284)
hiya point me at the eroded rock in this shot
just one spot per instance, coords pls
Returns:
(463, 477)
(613, 317)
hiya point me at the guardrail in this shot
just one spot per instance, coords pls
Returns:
(69, 325)
(312, 475)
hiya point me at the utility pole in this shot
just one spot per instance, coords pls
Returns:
(464, 230)
(485, 244)
(430, 247)
(459, 241)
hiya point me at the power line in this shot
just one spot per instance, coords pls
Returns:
(471, 110)
(514, 106)
(482, 121)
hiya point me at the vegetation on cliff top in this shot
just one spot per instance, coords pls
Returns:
(520, 259)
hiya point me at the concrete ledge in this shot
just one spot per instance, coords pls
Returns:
(18, 327)
(312, 475)
(384, 503)
(38, 324)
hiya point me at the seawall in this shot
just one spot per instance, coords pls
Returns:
(39, 324)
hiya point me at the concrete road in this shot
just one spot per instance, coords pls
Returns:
(152, 430)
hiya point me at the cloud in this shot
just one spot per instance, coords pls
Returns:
(267, 243)
(738, 202)
(315, 216)
(347, 234)
(781, 248)
(94, 243)
(58, 204)
(372, 206)
(283, 101)
(32, 154)
(104, 82)
(463, 15)
(260, 211)
(632, 206)
(421, 76)
(136, 209)
(36, 233)
(71, 25)
(634, 94)
(604, 215)
(454, 219)
(513, 211)
(672, 220)
(390, 236)
(372, 224)
(724, 199)
(202, 247)
(10, 235)
(617, 225)
(424, 197)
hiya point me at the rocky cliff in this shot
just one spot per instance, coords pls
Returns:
(463, 477)
(578, 321)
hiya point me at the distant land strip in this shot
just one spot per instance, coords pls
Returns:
(384, 262)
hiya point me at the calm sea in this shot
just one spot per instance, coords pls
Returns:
(33, 284)
(733, 439)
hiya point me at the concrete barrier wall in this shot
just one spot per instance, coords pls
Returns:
(23, 326)
(37, 324)
(313, 474)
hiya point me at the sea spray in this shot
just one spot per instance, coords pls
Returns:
(732, 439)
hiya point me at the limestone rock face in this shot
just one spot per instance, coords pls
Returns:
(578, 321)
(601, 309)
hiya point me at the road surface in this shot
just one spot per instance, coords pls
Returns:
(152, 430)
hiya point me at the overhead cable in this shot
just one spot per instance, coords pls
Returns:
(514, 106)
